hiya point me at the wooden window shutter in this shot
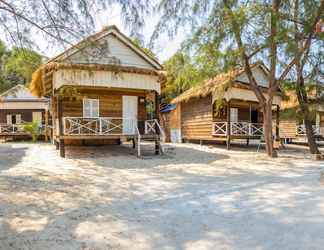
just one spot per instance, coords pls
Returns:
(18, 119)
(9, 119)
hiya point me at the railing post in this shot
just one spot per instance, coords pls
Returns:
(100, 125)
(64, 125)
(250, 129)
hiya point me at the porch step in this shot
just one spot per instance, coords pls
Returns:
(155, 139)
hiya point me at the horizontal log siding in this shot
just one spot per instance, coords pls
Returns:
(26, 114)
(287, 129)
(196, 118)
(110, 105)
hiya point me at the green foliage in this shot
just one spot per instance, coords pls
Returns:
(22, 62)
(16, 66)
(181, 75)
(140, 45)
(33, 129)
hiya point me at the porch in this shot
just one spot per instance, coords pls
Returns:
(241, 129)
(110, 128)
(301, 130)
(239, 119)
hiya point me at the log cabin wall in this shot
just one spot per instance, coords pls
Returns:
(26, 114)
(287, 128)
(243, 111)
(110, 103)
(196, 118)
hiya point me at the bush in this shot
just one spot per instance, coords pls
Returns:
(33, 129)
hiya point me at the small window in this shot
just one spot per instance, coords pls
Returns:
(90, 108)
(234, 115)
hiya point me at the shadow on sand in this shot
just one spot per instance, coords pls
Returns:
(241, 211)
(10, 155)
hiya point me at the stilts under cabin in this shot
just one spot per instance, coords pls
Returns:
(104, 90)
(223, 108)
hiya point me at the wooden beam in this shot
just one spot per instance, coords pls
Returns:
(60, 126)
(277, 123)
(228, 114)
(62, 148)
(46, 125)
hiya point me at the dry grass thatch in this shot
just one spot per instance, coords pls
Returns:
(216, 85)
(291, 101)
(36, 84)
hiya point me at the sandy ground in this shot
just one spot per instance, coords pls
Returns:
(196, 197)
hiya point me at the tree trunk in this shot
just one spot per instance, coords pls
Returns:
(313, 148)
(302, 99)
(267, 129)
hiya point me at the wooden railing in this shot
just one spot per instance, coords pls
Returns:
(108, 126)
(301, 130)
(153, 127)
(11, 128)
(238, 128)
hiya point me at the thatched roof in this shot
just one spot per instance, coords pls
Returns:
(208, 87)
(41, 84)
(218, 84)
(291, 101)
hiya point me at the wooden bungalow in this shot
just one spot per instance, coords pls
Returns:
(223, 108)
(17, 107)
(294, 126)
(104, 89)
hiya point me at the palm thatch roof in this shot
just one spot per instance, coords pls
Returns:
(291, 101)
(217, 85)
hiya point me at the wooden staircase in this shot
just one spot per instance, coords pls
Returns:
(153, 133)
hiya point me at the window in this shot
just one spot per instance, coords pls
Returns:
(234, 115)
(14, 119)
(90, 108)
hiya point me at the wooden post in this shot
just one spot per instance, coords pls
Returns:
(62, 148)
(157, 112)
(157, 106)
(46, 125)
(157, 147)
(60, 127)
(228, 114)
(277, 123)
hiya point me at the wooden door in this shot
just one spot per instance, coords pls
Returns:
(130, 104)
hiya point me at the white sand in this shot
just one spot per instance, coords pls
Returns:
(198, 198)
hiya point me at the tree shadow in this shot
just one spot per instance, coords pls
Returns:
(10, 155)
(124, 156)
(189, 207)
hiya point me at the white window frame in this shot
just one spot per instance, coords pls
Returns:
(93, 108)
(234, 115)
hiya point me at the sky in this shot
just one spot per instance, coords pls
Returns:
(164, 46)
